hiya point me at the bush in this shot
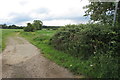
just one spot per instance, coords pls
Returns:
(29, 29)
(85, 40)
(94, 43)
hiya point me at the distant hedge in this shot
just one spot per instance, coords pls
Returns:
(51, 27)
(98, 44)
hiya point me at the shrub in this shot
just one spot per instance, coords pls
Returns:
(96, 44)
(85, 40)
(29, 29)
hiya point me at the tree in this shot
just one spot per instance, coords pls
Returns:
(102, 12)
(12, 27)
(4, 26)
(37, 24)
(29, 28)
(29, 25)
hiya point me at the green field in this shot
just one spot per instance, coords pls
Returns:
(4, 34)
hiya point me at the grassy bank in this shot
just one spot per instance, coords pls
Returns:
(41, 40)
(4, 34)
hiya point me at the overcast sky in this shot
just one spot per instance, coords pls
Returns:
(51, 12)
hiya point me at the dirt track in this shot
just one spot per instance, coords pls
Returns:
(21, 59)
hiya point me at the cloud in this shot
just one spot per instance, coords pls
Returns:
(62, 22)
(23, 2)
(75, 18)
(41, 10)
(58, 22)
(21, 18)
(60, 11)
(18, 18)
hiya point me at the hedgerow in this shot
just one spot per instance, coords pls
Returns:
(96, 44)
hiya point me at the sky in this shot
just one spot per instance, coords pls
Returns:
(50, 12)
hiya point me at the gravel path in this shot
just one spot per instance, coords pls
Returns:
(21, 59)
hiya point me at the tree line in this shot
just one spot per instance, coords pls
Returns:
(5, 26)
(31, 27)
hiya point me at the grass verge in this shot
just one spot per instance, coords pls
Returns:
(41, 40)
